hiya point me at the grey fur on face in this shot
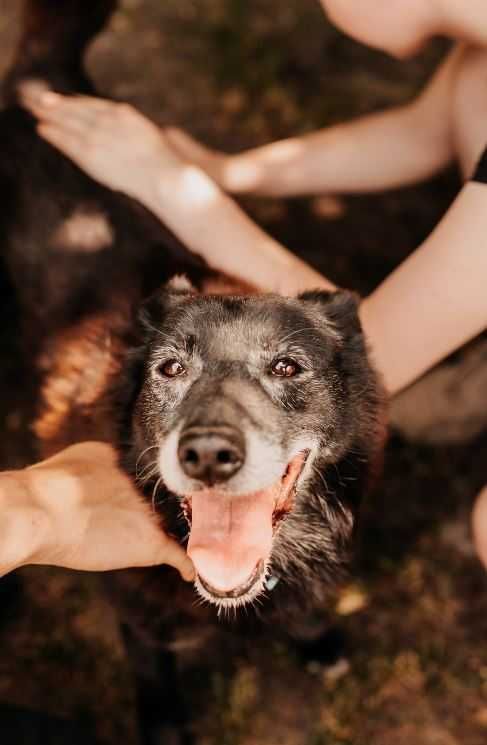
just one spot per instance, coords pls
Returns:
(282, 377)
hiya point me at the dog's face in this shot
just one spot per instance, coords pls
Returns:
(241, 405)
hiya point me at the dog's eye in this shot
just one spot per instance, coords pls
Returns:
(285, 367)
(171, 369)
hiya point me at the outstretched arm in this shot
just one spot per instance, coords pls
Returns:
(429, 306)
(381, 151)
(122, 149)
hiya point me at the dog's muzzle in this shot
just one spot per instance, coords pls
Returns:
(231, 536)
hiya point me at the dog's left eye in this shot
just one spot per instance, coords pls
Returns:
(285, 367)
(172, 368)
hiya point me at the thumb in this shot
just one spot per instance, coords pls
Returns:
(170, 552)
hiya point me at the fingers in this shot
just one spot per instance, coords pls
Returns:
(79, 119)
(65, 122)
(165, 549)
(172, 553)
(49, 102)
(69, 142)
(74, 113)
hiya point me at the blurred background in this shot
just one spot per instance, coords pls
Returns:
(413, 666)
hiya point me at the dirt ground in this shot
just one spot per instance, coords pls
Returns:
(414, 666)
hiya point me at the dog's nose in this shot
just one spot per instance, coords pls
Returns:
(211, 455)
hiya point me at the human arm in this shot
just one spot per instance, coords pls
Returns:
(429, 306)
(432, 304)
(436, 300)
(119, 147)
(122, 149)
(78, 510)
(380, 151)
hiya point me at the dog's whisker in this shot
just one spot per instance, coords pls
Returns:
(151, 447)
(150, 468)
(145, 479)
(156, 487)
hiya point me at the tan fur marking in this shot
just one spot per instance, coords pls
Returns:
(79, 365)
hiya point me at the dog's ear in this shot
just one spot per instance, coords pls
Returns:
(339, 308)
(153, 311)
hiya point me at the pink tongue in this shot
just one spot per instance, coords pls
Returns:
(230, 535)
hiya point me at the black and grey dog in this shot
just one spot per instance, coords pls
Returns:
(253, 423)
(260, 415)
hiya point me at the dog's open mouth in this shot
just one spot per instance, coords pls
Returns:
(231, 536)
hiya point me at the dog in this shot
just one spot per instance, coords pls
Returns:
(254, 414)
(252, 423)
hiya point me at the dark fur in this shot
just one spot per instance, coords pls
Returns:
(92, 358)
(335, 398)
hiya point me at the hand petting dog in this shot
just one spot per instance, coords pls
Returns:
(78, 510)
(112, 142)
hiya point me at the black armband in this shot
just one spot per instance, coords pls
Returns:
(480, 173)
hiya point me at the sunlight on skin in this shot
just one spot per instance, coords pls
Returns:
(46, 486)
(47, 482)
(197, 187)
(205, 219)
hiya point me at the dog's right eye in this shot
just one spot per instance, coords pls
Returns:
(171, 369)
(285, 367)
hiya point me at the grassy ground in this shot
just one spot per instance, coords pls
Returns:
(414, 669)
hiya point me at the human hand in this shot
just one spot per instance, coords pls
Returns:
(213, 162)
(78, 510)
(112, 142)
